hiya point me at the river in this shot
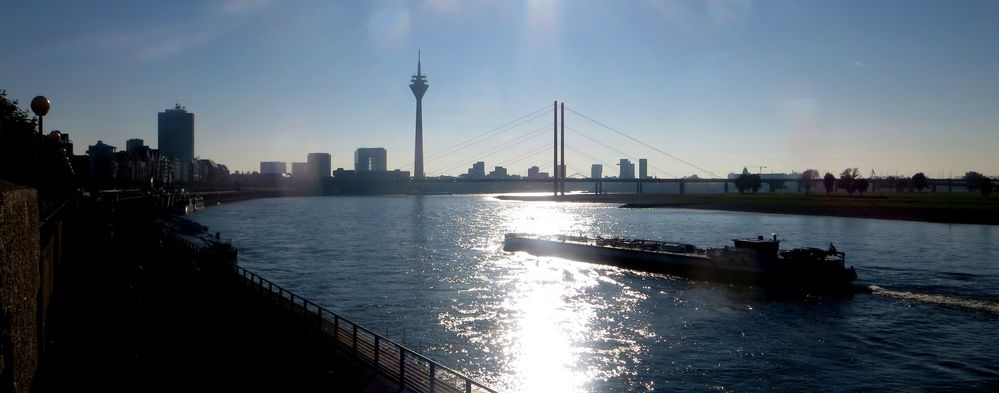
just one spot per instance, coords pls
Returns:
(430, 272)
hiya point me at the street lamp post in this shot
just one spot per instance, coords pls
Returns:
(40, 105)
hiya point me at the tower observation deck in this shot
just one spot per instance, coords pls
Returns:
(419, 86)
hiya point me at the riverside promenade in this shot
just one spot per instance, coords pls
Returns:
(140, 305)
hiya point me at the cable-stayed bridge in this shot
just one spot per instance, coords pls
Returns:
(538, 138)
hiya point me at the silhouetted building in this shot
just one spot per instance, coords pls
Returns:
(627, 169)
(477, 171)
(300, 169)
(176, 133)
(732, 176)
(133, 145)
(370, 159)
(103, 166)
(273, 167)
(320, 165)
(533, 172)
(596, 171)
(211, 172)
(498, 172)
(643, 168)
(419, 86)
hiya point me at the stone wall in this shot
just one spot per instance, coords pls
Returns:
(19, 285)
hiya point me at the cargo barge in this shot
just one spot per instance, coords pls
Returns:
(756, 261)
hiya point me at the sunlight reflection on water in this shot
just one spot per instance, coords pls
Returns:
(430, 273)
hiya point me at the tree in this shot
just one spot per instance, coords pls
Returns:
(973, 180)
(919, 181)
(846, 179)
(901, 184)
(755, 182)
(861, 185)
(808, 179)
(828, 181)
(986, 186)
(742, 183)
(18, 143)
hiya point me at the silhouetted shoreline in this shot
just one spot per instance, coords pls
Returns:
(958, 208)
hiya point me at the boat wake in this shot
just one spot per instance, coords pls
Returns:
(944, 300)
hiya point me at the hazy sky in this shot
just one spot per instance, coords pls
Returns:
(886, 85)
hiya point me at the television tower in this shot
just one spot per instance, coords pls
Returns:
(419, 86)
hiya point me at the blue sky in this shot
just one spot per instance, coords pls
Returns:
(891, 86)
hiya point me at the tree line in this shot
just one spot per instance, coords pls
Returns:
(851, 181)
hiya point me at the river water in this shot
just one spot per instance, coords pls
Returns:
(430, 272)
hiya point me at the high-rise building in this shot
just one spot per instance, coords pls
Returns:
(643, 168)
(370, 159)
(319, 165)
(300, 169)
(533, 172)
(478, 170)
(596, 171)
(176, 133)
(627, 169)
(419, 86)
(133, 145)
(498, 172)
(273, 167)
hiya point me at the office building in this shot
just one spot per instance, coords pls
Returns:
(596, 171)
(498, 172)
(627, 169)
(176, 133)
(299, 169)
(133, 145)
(319, 165)
(477, 171)
(370, 159)
(533, 172)
(643, 168)
(273, 167)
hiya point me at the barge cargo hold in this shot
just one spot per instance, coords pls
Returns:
(756, 261)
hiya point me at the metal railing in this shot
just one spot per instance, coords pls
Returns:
(408, 368)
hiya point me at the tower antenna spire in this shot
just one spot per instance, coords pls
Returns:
(419, 86)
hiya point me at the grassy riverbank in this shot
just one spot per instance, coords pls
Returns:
(964, 208)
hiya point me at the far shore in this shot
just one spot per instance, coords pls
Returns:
(954, 208)
(942, 207)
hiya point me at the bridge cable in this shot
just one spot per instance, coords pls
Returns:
(490, 133)
(626, 155)
(643, 143)
(481, 155)
(526, 155)
(495, 149)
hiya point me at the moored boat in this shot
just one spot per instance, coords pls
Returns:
(756, 261)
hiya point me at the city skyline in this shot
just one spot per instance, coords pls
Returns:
(891, 86)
